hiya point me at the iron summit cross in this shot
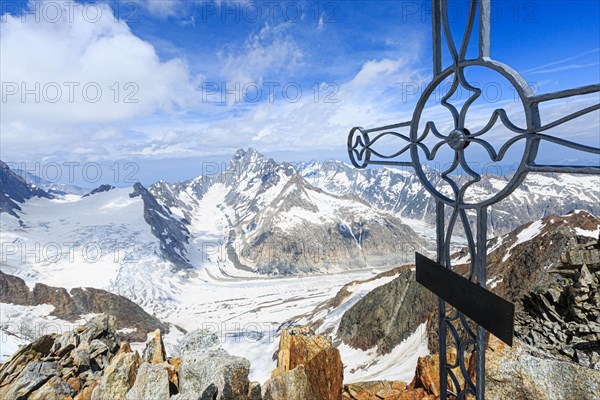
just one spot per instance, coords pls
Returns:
(488, 311)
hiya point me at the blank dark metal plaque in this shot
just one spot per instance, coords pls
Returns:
(487, 309)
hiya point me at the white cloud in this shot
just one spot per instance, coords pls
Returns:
(377, 71)
(80, 69)
(162, 8)
(272, 50)
(305, 125)
(169, 120)
(98, 54)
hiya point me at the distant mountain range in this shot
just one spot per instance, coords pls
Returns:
(273, 218)
(257, 218)
(401, 193)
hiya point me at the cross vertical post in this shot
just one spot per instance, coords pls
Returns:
(481, 266)
(441, 259)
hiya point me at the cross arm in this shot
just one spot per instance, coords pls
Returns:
(534, 101)
(361, 145)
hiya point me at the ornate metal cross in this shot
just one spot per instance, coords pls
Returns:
(362, 152)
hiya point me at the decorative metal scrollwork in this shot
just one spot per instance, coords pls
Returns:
(362, 150)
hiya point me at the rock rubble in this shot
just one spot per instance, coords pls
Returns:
(562, 317)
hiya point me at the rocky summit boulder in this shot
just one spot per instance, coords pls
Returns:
(517, 374)
(207, 371)
(157, 377)
(118, 378)
(292, 385)
(154, 352)
(152, 382)
(308, 368)
(67, 366)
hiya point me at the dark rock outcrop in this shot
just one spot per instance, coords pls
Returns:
(100, 189)
(387, 315)
(13, 290)
(127, 313)
(170, 231)
(15, 190)
(81, 301)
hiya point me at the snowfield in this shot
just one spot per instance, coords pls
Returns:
(77, 242)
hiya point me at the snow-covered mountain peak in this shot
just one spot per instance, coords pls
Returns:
(15, 190)
(247, 159)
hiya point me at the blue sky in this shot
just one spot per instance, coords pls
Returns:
(164, 68)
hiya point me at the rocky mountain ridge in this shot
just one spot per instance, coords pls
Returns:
(16, 190)
(525, 266)
(561, 316)
(556, 328)
(534, 266)
(170, 231)
(72, 305)
(387, 315)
